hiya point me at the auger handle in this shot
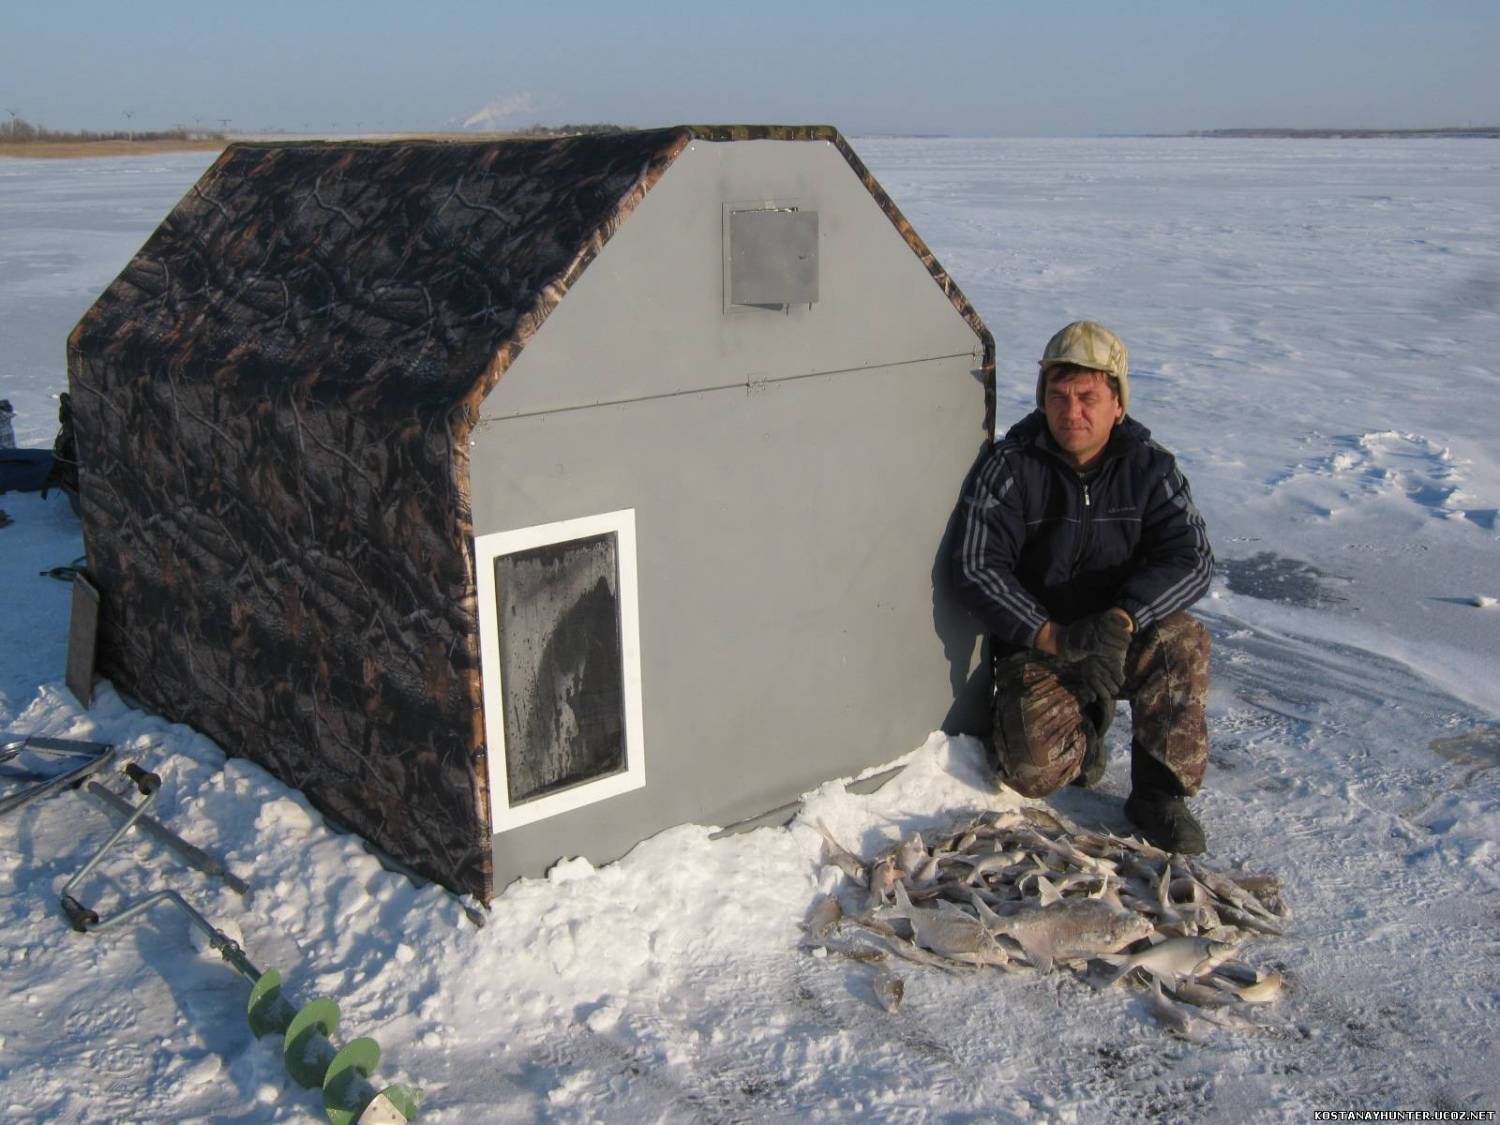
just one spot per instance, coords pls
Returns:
(80, 917)
(150, 785)
(146, 781)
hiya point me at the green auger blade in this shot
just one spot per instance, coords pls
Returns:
(349, 1099)
(307, 1058)
(395, 1105)
(345, 1091)
(268, 1010)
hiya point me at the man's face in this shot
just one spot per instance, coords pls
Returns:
(1082, 408)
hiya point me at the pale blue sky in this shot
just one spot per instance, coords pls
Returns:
(1021, 69)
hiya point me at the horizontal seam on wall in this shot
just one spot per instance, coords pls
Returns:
(749, 384)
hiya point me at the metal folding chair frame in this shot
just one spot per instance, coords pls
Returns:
(95, 755)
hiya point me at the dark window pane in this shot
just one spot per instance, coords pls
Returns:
(561, 665)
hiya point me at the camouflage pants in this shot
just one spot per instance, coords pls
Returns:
(1039, 735)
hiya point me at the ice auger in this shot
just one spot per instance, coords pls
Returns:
(349, 1098)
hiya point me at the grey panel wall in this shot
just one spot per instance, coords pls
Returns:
(789, 531)
(647, 315)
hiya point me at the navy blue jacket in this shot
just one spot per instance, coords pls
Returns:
(1037, 540)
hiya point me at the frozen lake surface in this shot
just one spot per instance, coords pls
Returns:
(1314, 328)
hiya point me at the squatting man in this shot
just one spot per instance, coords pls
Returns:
(1079, 550)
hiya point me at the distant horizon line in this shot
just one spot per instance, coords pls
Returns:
(1257, 132)
(927, 134)
(1322, 132)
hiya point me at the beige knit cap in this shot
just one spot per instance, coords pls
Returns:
(1087, 343)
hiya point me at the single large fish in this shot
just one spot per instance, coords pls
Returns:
(1002, 820)
(1063, 848)
(883, 876)
(1237, 896)
(864, 954)
(1173, 959)
(1134, 867)
(1050, 819)
(994, 862)
(1193, 991)
(845, 860)
(950, 932)
(824, 918)
(1051, 892)
(1169, 1012)
(1071, 929)
(910, 951)
(1246, 921)
(889, 989)
(912, 854)
(926, 875)
(1262, 991)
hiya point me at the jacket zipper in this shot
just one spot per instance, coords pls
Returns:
(1085, 526)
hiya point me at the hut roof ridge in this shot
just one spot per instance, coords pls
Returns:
(398, 276)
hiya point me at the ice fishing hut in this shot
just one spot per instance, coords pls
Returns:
(517, 499)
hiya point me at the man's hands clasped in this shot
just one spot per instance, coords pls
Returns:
(1097, 644)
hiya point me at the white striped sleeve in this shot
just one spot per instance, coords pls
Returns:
(1177, 562)
(992, 529)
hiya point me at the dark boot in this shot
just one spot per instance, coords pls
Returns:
(1157, 806)
(1166, 822)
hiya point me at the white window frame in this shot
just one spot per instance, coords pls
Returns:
(487, 548)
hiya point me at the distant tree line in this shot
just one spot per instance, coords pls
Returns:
(20, 131)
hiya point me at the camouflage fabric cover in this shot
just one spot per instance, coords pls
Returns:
(1038, 741)
(272, 405)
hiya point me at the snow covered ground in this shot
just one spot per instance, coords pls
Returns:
(1314, 328)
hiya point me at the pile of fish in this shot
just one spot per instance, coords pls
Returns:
(1026, 889)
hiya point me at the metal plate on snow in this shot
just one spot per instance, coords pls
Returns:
(82, 637)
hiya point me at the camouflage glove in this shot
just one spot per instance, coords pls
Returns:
(1099, 634)
(1097, 645)
(1102, 677)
